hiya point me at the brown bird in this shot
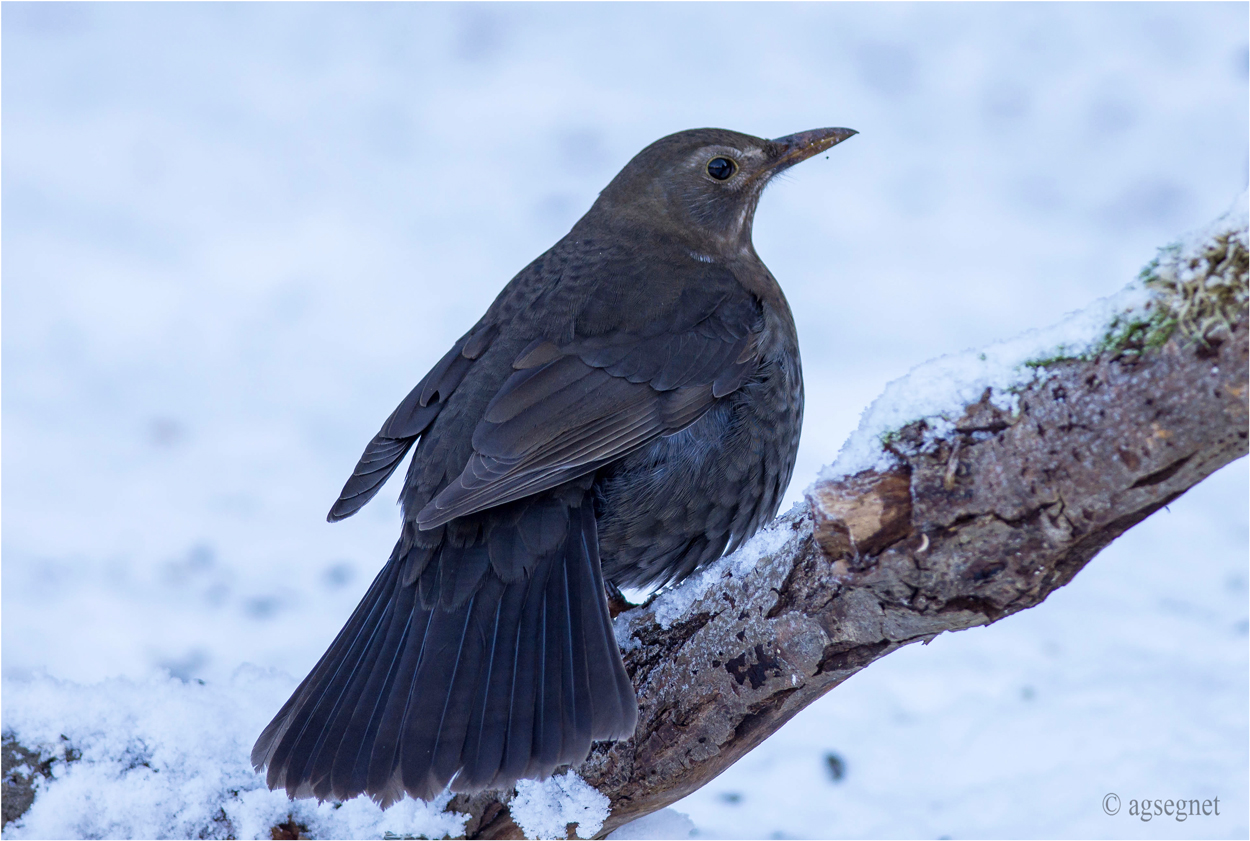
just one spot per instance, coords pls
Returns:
(627, 409)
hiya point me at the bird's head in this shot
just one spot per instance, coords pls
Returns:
(703, 185)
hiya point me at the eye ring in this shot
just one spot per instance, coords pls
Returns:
(722, 168)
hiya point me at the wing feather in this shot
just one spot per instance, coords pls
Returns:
(596, 401)
(410, 419)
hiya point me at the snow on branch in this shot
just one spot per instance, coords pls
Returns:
(974, 487)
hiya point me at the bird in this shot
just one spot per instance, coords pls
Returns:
(627, 410)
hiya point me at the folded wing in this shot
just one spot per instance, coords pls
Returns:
(567, 410)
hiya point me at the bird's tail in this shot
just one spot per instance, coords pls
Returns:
(464, 667)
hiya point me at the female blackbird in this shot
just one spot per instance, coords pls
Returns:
(627, 409)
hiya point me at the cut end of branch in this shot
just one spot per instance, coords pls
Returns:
(862, 514)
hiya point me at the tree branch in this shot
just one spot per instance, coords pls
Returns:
(972, 523)
(975, 511)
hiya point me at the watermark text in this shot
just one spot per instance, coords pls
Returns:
(1148, 810)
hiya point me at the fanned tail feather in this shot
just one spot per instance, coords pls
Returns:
(448, 680)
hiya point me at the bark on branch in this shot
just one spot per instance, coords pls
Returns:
(971, 526)
(976, 519)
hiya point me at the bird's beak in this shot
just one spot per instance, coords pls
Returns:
(794, 148)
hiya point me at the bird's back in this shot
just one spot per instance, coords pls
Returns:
(628, 407)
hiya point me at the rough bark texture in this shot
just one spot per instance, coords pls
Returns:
(968, 529)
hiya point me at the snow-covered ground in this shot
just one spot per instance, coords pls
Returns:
(234, 236)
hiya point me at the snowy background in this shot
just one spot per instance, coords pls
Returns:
(235, 235)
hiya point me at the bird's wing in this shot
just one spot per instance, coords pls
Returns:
(568, 409)
(411, 418)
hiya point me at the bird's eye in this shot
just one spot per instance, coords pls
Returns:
(721, 168)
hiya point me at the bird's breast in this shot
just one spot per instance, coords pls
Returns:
(684, 499)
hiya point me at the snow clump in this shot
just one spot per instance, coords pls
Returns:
(168, 759)
(545, 809)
